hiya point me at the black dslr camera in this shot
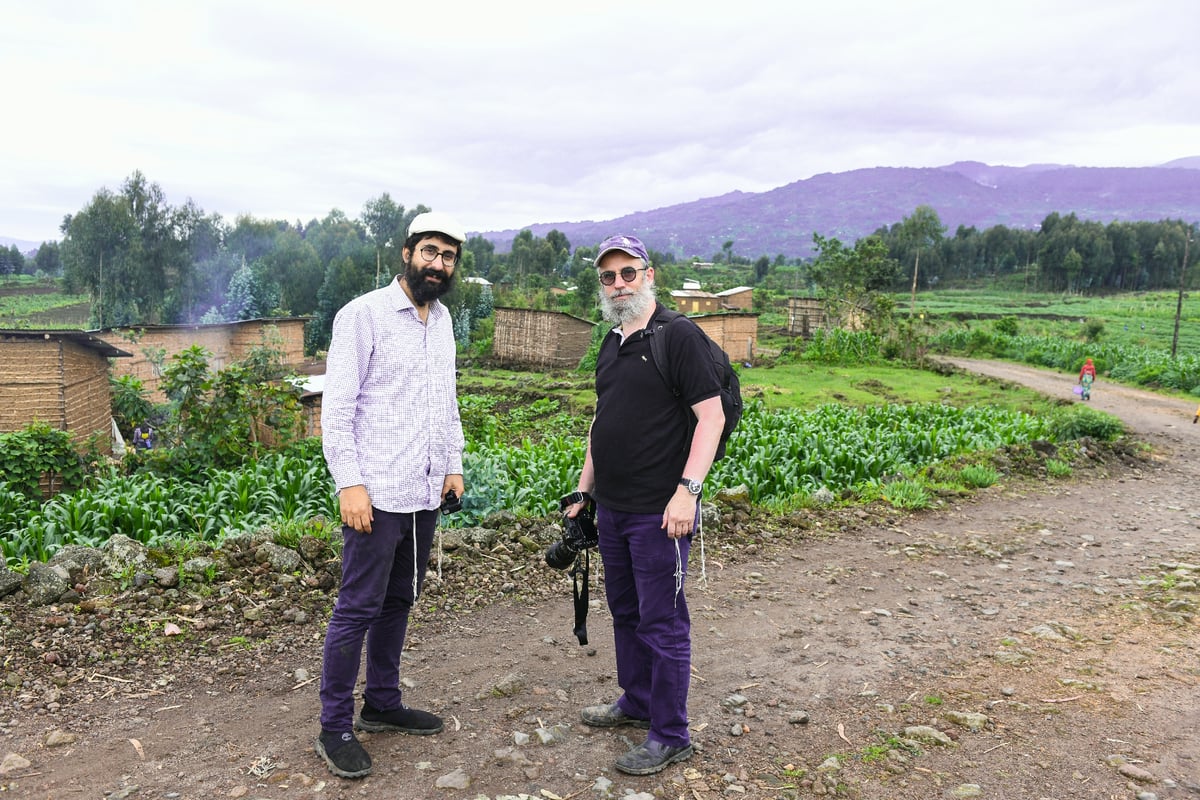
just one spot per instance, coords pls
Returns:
(579, 536)
(579, 532)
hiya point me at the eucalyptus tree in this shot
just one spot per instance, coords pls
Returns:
(850, 279)
(386, 224)
(96, 253)
(48, 259)
(921, 231)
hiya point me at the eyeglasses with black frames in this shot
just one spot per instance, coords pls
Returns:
(608, 277)
(430, 252)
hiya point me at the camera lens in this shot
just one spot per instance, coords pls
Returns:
(560, 555)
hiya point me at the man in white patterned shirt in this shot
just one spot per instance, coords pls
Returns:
(393, 442)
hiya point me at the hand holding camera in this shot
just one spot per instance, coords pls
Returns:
(451, 503)
(579, 531)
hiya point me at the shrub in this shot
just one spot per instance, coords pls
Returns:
(1006, 325)
(38, 451)
(1077, 421)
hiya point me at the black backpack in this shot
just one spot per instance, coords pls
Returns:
(731, 387)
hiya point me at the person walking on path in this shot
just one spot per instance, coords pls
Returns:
(647, 456)
(393, 442)
(1087, 376)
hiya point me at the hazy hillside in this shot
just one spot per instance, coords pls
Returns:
(853, 204)
(24, 245)
(849, 205)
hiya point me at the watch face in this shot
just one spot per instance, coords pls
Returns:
(693, 487)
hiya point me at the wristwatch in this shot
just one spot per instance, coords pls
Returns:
(693, 487)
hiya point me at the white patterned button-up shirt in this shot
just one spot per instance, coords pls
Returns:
(389, 414)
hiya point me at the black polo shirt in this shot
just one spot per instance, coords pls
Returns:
(642, 434)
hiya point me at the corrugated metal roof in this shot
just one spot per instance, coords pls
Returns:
(79, 337)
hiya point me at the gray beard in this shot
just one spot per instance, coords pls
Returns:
(629, 308)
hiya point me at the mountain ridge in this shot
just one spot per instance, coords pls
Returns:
(855, 203)
(852, 204)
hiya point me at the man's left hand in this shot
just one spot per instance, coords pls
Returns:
(679, 519)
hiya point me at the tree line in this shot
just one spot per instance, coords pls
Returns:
(1064, 254)
(144, 261)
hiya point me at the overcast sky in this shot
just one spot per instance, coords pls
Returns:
(506, 114)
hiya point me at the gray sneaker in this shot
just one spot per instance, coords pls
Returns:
(610, 716)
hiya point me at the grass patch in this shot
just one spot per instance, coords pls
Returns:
(1057, 468)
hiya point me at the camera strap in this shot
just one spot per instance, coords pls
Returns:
(579, 591)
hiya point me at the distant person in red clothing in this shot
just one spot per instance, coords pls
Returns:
(1087, 375)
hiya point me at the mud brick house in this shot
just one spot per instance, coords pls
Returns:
(740, 298)
(229, 342)
(695, 301)
(737, 333)
(540, 339)
(59, 377)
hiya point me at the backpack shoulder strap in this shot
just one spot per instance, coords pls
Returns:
(658, 344)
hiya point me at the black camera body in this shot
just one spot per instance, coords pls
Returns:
(451, 503)
(579, 532)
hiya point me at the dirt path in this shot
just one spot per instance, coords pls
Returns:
(1021, 626)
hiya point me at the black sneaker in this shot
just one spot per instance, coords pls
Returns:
(401, 720)
(344, 756)
(610, 716)
(650, 757)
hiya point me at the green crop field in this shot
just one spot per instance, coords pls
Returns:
(1140, 319)
(24, 304)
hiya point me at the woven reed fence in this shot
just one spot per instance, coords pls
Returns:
(540, 339)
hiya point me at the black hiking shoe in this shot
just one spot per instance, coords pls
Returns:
(401, 720)
(650, 757)
(344, 756)
(610, 716)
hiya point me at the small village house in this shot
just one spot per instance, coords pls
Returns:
(740, 298)
(540, 339)
(152, 346)
(695, 301)
(806, 315)
(736, 333)
(59, 377)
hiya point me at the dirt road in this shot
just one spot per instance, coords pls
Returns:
(1032, 641)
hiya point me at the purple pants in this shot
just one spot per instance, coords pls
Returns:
(374, 602)
(651, 626)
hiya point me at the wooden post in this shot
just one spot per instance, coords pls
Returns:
(916, 265)
(1187, 240)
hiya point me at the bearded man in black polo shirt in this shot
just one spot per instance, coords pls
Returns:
(648, 454)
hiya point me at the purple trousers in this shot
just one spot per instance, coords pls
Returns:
(651, 625)
(377, 593)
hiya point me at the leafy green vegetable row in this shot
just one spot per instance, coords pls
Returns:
(781, 457)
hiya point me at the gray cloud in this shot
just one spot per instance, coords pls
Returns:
(509, 114)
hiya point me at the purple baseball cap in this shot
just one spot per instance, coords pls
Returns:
(626, 244)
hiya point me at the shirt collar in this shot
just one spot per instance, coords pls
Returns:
(401, 301)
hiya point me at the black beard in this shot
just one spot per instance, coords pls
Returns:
(423, 290)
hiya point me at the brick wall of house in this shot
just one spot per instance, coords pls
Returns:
(742, 301)
(228, 342)
(736, 333)
(56, 381)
